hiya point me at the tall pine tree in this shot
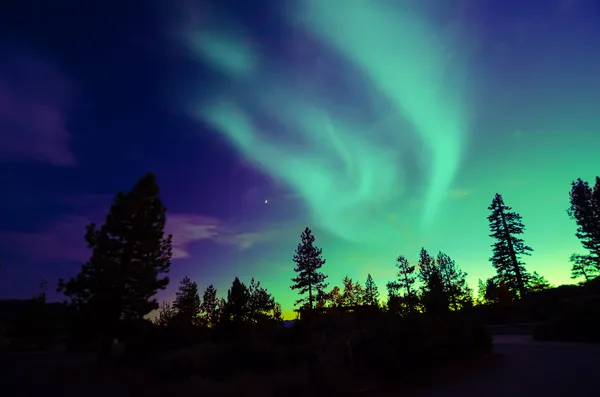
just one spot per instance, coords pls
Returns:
(406, 275)
(505, 226)
(130, 253)
(187, 303)
(585, 210)
(371, 293)
(402, 297)
(352, 293)
(309, 281)
(237, 306)
(209, 310)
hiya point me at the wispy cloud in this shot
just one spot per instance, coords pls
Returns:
(190, 228)
(34, 98)
(63, 239)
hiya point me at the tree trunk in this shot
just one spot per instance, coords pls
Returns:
(513, 256)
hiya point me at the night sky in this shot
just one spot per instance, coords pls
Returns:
(384, 125)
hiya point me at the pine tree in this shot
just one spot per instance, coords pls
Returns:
(334, 297)
(506, 225)
(434, 294)
(584, 266)
(165, 315)
(538, 283)
(585, 210)
(399, 302)
(491, 290)
(406, 275)
(187, 302)
(260, 303)
(238, 300)
(278, 313)
(352, 293)
(371, 293)
(426, 266)
(309, 260)
(129, 254)
(454, 280)
(210, 306)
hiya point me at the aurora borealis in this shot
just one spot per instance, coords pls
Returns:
(384, 126)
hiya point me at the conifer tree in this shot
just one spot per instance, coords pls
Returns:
(238, 299)
(491, 290)
(130, 253)
(309, 281)
(210, 306)
(402, 297)
(278, 313)
(260, 303)
(165, 315)
(334, 297)
(406, 275)
(187, 302)
(371, 293)
(454, 280)
(352, 293)
(585, 210)
(538, 283)
(426, 266)
(584, 266)
(506, 225)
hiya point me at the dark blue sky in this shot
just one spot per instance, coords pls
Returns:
(95, 94)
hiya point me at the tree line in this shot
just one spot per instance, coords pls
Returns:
(131, 258)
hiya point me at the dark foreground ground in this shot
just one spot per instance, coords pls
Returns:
(521, 366)
(518, 367)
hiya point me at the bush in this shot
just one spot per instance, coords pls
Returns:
(578, 322)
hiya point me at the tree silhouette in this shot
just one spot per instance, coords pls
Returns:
(585, 210)
(584, 266)
(187, 302)
(487, 292)
(129, 254)
(538, 283)
(434, 295)
(505, 226)
(454, 280)
(426, 267)
(406, 275)
(352, 293)
(209, 309)
(334, 297)
(309, 260)
(165, 316)
(278, 313)
(402, 298)
(505, 296)
(237, 304)
(371, 293)
(491, 290)
(260, 303)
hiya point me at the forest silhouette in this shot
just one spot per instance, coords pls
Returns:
(347, 337)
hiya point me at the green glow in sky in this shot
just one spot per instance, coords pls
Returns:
(400, 165)
(349, 173)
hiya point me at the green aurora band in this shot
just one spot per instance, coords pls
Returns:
(348, 168)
